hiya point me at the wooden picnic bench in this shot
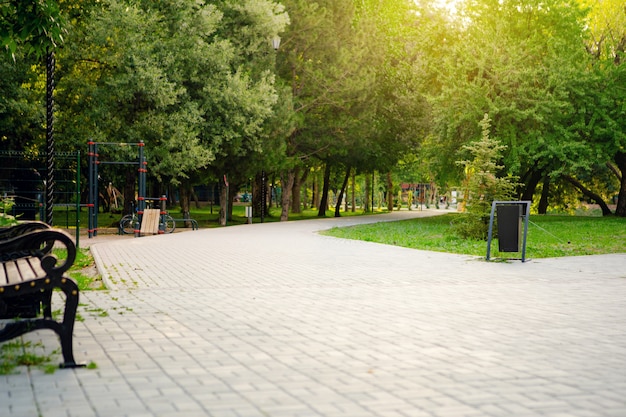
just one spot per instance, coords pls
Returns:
(29, 273)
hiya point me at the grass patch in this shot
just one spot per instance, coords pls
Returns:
(18, 353)
(548, 236)
(83, 270)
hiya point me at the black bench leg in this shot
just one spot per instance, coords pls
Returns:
(65, 329)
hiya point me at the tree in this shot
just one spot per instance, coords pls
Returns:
(122, 81)
(606, 118)
(483, 186)
(177, 75)
(21, 109)
(343, 63)
(241, 122)
(525, 63)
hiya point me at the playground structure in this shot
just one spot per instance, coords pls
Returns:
(94, 163)
(134, 220)
(142, 219)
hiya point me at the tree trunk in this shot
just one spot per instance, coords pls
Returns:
(296, 191)
(321, 212)
(194, 197)
(287, 179)
(374, 191)
(366, 199)
(614, 170)
(353, 185)
(257, 195)
(232, 193)
(606, 211)
(223, 204)
(531, 186)
(545, 193)
(342, 192)
(313, 191)
(185, 191)
(389, 192)
(620, 160)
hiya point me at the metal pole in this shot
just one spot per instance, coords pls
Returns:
(527, 215)
(141, 192)
(373, 189)
(50, 137)
(263, 196)
(163, 212)
(91, 156)
(226, 202)
(77, 197)
(96, 208)
(490, 232)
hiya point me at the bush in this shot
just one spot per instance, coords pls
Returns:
(6, 204)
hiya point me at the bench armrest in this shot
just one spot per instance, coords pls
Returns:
(20, 229)
(38, 243)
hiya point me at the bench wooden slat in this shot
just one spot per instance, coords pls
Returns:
(20, 270)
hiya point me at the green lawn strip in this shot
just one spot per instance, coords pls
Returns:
(548, 236)
(84, 261)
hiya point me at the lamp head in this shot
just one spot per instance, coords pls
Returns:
(276, 42)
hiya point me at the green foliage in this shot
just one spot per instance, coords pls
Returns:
(548, 236)
(6, 205)
(22, 114)
(37, 25)
(525, 64)
(354, 84)
(482, 185)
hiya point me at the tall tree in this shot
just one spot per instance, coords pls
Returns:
(525, 61)
(606, 117)
(177, 75)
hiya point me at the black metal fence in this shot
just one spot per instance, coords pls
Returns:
(23, 178)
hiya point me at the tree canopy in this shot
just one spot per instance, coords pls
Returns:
(355, 87)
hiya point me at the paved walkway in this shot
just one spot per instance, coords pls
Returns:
(273, 320)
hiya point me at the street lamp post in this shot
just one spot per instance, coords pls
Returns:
(50, 157)
(263, 196)
(275, 45)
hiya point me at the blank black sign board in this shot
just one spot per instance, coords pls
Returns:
(509, 227)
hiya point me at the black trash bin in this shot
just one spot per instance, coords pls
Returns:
(509, 227)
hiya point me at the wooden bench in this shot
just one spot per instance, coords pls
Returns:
(28, 275)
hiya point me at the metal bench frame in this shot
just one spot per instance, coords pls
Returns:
(29, 273)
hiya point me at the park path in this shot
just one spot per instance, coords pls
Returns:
(276, 320)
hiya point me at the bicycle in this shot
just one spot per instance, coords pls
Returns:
(130, 222)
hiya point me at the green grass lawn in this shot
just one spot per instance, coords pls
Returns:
(548, 236)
